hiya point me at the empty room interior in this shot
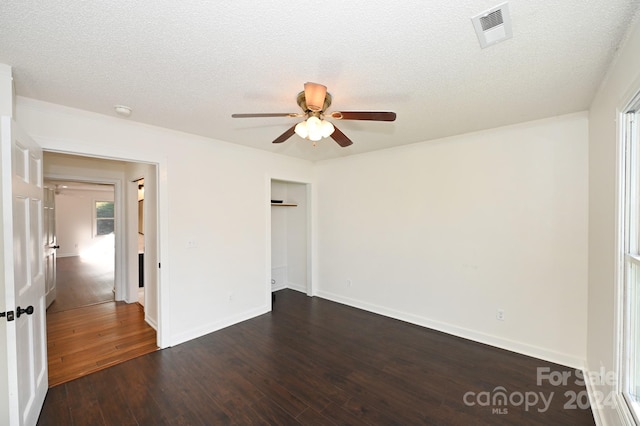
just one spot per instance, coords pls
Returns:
(352, 213)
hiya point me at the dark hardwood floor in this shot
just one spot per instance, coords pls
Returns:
(82, 282)
(315, 362)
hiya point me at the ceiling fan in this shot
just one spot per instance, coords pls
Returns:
(314, 102)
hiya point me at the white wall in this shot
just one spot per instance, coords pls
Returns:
(210, 192)
(445, 233)
(75, 223)
(621, 83)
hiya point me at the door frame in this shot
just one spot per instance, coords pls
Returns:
(163, 330)
(311, 233)
(119, 276)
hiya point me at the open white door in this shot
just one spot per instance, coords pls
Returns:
(50, 244)
(24, 277)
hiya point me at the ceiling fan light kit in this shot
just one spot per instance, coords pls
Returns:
(314, 102)
(314, 129)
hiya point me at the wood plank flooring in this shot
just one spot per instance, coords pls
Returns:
(86, 330)
(314, 362)
(82, 282)
(85, 340)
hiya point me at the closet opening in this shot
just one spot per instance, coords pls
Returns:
(290, 236)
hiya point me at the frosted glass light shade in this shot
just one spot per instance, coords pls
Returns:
(326, 129)
(314, 129)
(315, 137)
(313, 124)
(301, 130)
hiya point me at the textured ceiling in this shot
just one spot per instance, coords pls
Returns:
(188, 65)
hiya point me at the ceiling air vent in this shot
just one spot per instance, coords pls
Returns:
(493, 26)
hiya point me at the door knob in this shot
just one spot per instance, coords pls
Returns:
(20, 311)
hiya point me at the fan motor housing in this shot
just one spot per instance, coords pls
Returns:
(302, 102)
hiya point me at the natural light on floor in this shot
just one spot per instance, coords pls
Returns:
(102, 252)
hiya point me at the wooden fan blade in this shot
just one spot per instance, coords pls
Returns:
(286, 135)
(269, 114)
(364, 115)
(340, 137)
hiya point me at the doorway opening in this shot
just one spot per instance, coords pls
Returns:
(290, 236)
(112, 236)
(80, 224)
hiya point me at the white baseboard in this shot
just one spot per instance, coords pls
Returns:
(596, 409)
(289, 285)
(510, 345)
(218, 325)
(298, 287)
(278, 277)
(151, 322)
(67, 254)
(276, 287)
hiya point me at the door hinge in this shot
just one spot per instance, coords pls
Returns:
(158, 265)
(9, 315)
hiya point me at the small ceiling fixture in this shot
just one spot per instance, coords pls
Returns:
(493, 25)
(123, 110)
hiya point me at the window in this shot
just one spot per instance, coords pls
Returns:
(630, 367)
(105, 220)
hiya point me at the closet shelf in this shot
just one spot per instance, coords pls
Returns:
(284, 204)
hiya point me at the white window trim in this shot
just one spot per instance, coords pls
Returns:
(95, 216)
(628, 410)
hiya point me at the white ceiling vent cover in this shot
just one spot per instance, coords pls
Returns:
(493, 26)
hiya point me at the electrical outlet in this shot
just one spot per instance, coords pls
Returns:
(230, 296)
(349, 283)
(500, 315)
(191, 244)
